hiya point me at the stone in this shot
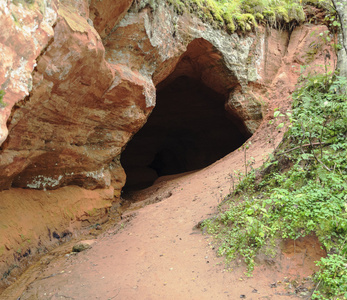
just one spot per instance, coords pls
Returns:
(83, 245)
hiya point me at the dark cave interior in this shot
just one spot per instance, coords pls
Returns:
(188, 129)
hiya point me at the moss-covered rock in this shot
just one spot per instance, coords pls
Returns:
(242, 14)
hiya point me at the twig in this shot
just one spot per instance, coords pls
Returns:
(316, 158)
(323, 164)
(298, 147)
(316, 287)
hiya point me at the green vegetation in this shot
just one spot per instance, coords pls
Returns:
(16, 2)
(31, 4)
(2, 103)
(244, 15)
(301, 190)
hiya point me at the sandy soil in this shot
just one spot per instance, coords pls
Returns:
(157, 252)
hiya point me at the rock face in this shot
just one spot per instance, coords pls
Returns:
(28, 32)
(82, 77)
(93, 88)
(72, 127)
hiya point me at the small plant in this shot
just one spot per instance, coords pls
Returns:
(245, 147)
(232, 183)
(279, 119)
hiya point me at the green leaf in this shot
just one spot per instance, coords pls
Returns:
(250, 211)
(276, 113)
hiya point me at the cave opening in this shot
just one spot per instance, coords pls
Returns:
(188, 129)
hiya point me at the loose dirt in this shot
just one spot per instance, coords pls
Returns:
(156, 252)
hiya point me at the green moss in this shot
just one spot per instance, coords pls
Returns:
(270, 16)
(242, 14)
(178, 6)
(28, 3)
(42, 7)
(326, 5)
(259, 16)
(282, 14)
(15, 19)
(229, 23)
(245, 21)
(2, 103)
(93, 212)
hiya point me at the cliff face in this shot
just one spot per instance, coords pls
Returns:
(82, 77)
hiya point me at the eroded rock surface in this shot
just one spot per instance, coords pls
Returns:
(24, 34)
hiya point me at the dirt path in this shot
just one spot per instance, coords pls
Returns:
(159, 254)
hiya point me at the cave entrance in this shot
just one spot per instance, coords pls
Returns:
(188, 129)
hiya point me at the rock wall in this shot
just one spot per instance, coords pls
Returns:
(80, 79)
(91, 94)
(28, 32)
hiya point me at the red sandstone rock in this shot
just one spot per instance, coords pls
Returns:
(107, 13)
(24, 33)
